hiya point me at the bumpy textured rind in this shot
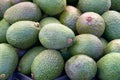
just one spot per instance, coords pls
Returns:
(22, 34)
(51, 7)
(69, 17)
(81, 67)
(56, 36)
(48, 20)
(115, 5)
(91, 23)
(22, 11)
(98, 6)
(112, 29)
(113, 46)
(8, 60)
(87, 44)
(47, 65)
(3, 29)
(109, 67)
(27, 60)
(4, 5)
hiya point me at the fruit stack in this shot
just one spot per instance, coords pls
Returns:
(46, 39)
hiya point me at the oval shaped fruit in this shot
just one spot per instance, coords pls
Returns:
(87, 44)
(48, 20)
(69, 17)
(27, 60)
(91, 23)
(8, 60)
(109, 67)
(112, 29)
(81, 67)
(3, 30)
(113, 46)
(22, 11)
(4, 5)
(23, 34)
(52, 7)
(97, 6)
(56, 36)
(47, 65)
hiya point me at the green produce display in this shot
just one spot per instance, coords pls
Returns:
(59, 39)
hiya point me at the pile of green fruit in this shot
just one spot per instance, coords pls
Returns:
(78, 37)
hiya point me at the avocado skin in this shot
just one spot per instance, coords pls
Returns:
(48, 65)
(8, 60)
(69, 17)
(3, 30)
(81, 67)
(87, 44)
(4, 5)
(97, 6)
(56, 36)
(109, 67)
(48, 20)
(52, 7)
(27, 59)
(112, 21)
(22, 34)
(22, 11)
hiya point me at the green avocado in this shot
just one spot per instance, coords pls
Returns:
(112, 29)
(48, 20)
(3, 29)
(109, 67)
(22, 11)
(69, 17)
(4, 5)
(113, 46)
(91, 23)
(8, 61)
(56, 36)
(27, 60)
(51, 7)
(97, 6)
(23, 34)
(87, 44)
(48, 65)
(81, 67)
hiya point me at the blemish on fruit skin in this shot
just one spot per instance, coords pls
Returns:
(2, 76)
(89, 19)
(69, 40)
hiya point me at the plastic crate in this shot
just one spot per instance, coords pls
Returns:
(20, 76)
